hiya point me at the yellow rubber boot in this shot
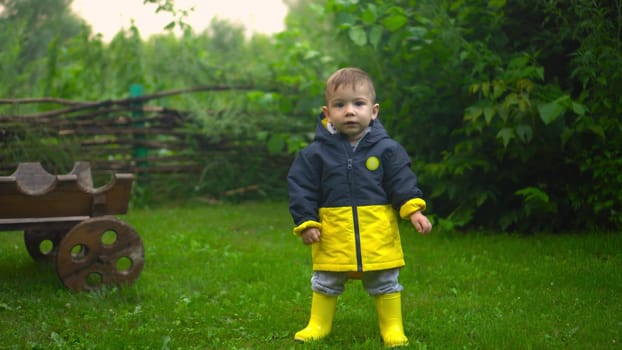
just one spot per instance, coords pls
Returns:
(389, 308)
(321, 319)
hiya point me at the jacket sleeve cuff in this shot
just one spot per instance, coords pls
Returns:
(305, 225)
(411, 206)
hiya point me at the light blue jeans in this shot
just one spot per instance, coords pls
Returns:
(375, 282)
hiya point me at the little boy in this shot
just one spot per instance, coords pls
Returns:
(344, 189)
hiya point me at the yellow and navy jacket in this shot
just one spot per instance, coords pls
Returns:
(351, 196)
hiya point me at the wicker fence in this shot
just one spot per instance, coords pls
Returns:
(165, 148)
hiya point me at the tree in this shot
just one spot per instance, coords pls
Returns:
(33, 26)
(495, 100)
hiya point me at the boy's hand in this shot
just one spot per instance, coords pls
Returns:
(310, 235)
(420, 222)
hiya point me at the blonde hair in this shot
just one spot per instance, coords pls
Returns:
(349, 76)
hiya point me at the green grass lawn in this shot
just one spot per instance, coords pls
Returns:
(234, 277)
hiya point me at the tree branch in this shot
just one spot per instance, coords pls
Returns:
(77, 105)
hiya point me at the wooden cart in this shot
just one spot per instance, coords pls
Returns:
(69, 223)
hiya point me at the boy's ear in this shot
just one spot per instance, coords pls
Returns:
(374, 111)
(325, 111)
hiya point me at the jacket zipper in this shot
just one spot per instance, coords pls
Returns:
(355, 219)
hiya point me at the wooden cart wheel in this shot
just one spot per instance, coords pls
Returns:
(98, 252)
(42, 245)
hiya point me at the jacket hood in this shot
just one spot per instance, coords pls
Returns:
(376, 133)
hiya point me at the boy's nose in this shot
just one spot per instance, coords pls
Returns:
(349, 108)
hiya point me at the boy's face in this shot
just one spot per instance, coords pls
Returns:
(351, 110)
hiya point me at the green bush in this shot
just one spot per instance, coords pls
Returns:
(510, 110)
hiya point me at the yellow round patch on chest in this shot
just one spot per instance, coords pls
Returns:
(372, 163)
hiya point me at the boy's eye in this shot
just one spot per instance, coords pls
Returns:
(360, 103)
(338, 104)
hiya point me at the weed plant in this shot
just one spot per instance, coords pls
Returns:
(234, 277)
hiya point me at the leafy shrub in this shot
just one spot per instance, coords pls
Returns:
(505, 107)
